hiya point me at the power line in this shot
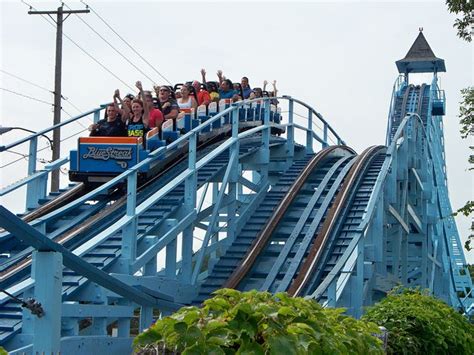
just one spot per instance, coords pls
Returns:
(70, 103)
(79, 123)
(111, 46)
(83, 50)
(95, 60)
(41, 87)
(129, 45)
(26, 96)
(26, 81)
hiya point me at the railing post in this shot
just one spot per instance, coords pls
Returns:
(47, 273)
(171, 248)
(291, 131)
(32, 190)
(146, 312)
(332, 294)
(215, 237)
(189, 205)
(233, 177)
(265, 152)
(309, 133)
(129, 238)
(325, 135)
(357, 283)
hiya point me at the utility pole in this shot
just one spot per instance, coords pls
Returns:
(57, 82)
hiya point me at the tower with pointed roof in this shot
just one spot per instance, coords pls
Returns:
(420, 59)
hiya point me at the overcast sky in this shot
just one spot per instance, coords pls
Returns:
(338, 57)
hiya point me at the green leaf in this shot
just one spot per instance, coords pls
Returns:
(195, 349)
(282, 345)
(180, 327)
(192, 316)
(287, 311)
(150, 336)
(250, 348)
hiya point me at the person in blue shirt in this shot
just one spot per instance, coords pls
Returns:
(226, 89)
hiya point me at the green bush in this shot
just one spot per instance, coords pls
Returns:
(254, 322)
(421, 324)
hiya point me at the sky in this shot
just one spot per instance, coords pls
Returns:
(336, 56)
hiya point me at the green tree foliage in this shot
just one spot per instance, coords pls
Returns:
(466, 112)
(421, 324)
(463, 24)
(466, 115)
(254, 322)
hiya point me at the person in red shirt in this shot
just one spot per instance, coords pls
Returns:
(155, 118)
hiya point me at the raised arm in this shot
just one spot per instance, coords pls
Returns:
(116, 98)
(146, 110)
(264, 85)
(124, 111)
(203, 76)
(275, 91)
(220, 76)
(156, 88)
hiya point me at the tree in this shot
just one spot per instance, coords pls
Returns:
(253, 322)
(464, 25)
(466, 115)
(418, 323)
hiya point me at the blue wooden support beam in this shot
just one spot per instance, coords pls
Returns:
(291, 129)
(357, 282)
(163, 241)
(32, 190)
(146, 312)
(415, 218)
(325, 136)
(129, 231)
(399, 218)
(309, 138)
(30, 236)
(217, 205)
(203, 197)
(47, 273)
(233, 178)
(249, 184)
(76, 310)
(190, 190)
(208, 211)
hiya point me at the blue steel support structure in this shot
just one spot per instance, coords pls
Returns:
(282, 214)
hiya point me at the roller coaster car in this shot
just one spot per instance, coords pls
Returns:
(98, 159)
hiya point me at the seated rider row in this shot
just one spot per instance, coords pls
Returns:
(136, 116)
